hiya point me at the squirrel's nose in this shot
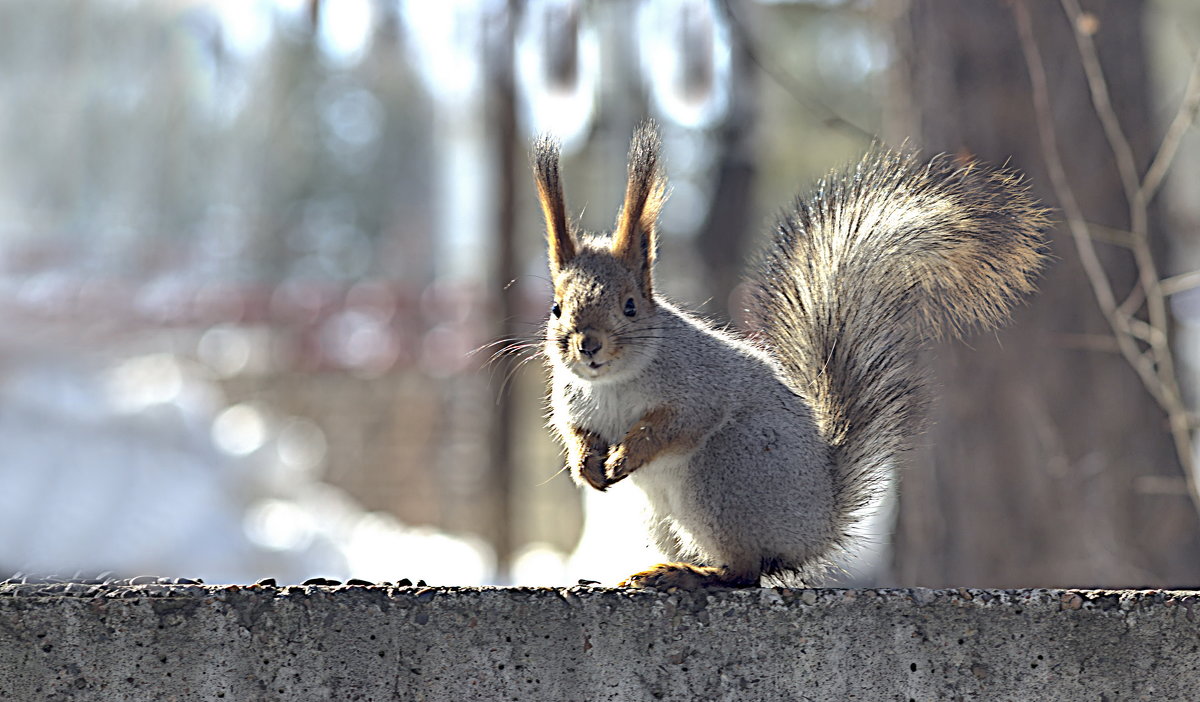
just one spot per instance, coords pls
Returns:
(589, 344)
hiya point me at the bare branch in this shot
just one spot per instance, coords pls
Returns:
(1098, 88)
(1154, 366)
(1134, 193)
(1110, 235)
(1096, 275)
(1133, 302)
(1138, 212)
(1101, 286)
(1143, 365)
(1141, 330)
(828, 115)
(1180, 283)
(1184, 118)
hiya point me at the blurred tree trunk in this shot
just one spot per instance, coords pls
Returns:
(1029, 474)
(501, 474)
(722, 237)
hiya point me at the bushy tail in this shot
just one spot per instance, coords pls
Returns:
(857, 278)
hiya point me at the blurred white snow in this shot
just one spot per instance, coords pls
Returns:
(140, 467)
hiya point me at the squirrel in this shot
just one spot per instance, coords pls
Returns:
(758, 454)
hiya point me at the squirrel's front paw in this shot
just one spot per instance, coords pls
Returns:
(592, 470)
(618, 466)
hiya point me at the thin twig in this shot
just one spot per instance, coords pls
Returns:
(1180, 283)
(1125, 239)
(1110, 235)
(1139, 218)
(785, 80)
(1096, 275)
(1148, 276)
(1133, 302)
(1155, 365)
(1138, 212)
(1098, 89)
(1184, 118)
(1145, 332)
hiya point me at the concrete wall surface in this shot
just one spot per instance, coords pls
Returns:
(185, 642)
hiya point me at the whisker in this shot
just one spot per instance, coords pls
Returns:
(525, 344)
(552, 477)
(496, 342)
(511, 351)
(512, 372)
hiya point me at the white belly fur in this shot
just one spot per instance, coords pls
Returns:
(661, 480)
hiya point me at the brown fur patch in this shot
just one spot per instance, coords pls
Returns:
(561, 242)
(634, 239)
(586, 452)
(658, 432)
(685, 576)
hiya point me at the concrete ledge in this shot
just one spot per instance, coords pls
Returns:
(177, 642)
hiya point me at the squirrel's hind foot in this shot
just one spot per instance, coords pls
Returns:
(685, 576)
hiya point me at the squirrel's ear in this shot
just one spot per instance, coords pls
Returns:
(637, 225)
(554, 205)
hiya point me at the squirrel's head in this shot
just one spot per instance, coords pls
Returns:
(602, 321)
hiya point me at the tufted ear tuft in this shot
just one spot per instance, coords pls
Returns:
(562, 245)
(634, 238)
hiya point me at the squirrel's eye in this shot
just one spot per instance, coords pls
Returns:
(556, 310)
(630, 309)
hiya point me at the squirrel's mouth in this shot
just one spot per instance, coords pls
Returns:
(591, 368)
